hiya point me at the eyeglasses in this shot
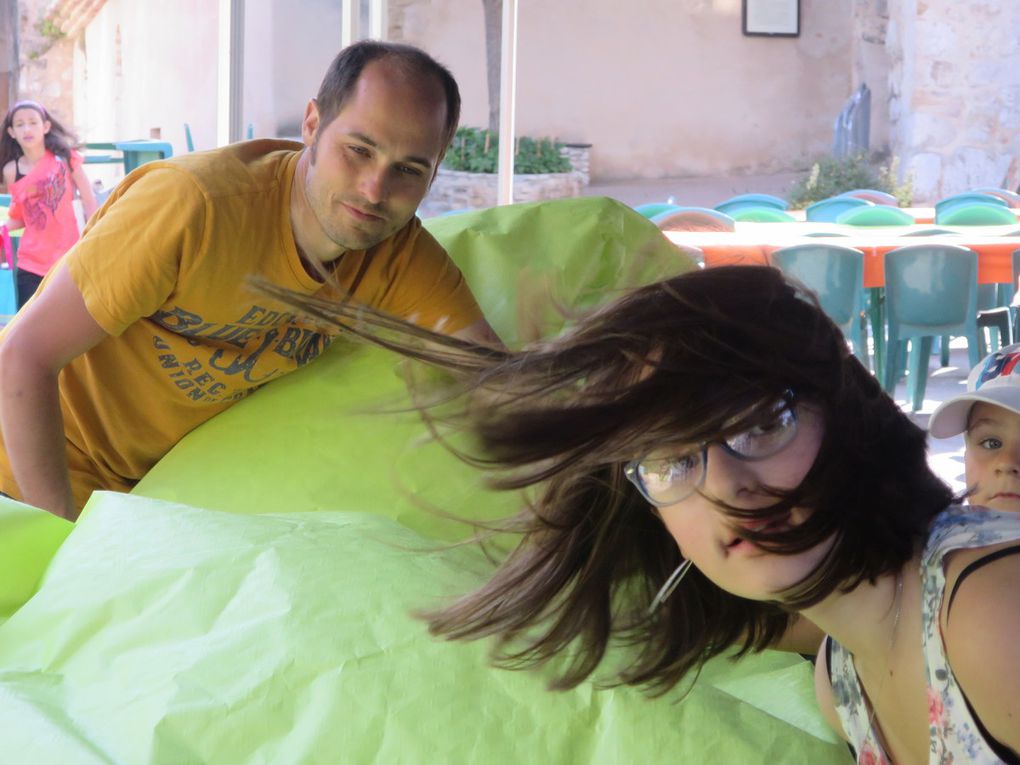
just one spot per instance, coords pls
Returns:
(664, 481)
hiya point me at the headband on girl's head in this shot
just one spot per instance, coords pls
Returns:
(27, 103)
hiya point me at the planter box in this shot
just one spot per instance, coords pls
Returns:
(457, 190)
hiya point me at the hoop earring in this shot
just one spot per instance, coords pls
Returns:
(671, 584)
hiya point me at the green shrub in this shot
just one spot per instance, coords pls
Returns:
(476, 151)
(830, 176)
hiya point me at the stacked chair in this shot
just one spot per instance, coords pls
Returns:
(835, 275)
(930, 291)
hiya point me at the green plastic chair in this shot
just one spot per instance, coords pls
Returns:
(967, 198)
(976, 214)
(761, 215)
(879, 215)
(836, 275)
(651, 209)
(930, 291)
(827, 210)
(694, 219)
(873, 195)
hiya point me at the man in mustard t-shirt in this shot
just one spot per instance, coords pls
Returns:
(149, 326)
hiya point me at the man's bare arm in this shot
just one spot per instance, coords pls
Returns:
(51, 331)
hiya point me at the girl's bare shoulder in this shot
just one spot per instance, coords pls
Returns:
(979, 627)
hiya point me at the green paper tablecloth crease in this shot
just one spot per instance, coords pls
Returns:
(251, 601)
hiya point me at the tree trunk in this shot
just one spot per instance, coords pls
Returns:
(8, 53)
(493, 56)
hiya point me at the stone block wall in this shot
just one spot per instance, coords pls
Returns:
(955, 95)
(457, 190)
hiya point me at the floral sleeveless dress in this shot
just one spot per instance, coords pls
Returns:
(955, 735)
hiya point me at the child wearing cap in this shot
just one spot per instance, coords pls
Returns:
(988, 415)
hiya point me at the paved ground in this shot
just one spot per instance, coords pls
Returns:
(697, 192)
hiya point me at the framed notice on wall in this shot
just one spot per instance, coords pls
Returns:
(772, 18)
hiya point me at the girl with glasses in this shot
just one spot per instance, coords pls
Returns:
(706, 463)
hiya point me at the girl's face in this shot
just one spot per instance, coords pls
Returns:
(28, 128)
(992, 457)
(712, 539)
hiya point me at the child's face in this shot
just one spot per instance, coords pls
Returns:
(992, 457)
(712, 539)
(28, 127)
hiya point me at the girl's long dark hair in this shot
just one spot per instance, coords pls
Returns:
(674, 362)
(59, 140)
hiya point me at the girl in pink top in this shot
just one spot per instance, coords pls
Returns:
(39, 167)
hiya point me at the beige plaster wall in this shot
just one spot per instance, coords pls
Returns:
(659, 87)
(148, 67)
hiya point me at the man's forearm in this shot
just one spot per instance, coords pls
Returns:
(33, 432)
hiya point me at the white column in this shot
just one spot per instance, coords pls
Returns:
(230, 72)
(378, 22)
(350, 22)
(507, 105)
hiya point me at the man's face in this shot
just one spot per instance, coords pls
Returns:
(371, 166)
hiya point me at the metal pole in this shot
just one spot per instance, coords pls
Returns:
(508, 105)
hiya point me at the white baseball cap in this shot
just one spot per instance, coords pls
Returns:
(996, 381)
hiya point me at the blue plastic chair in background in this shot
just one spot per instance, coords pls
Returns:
(1009, 197)
(872, 195)
(744, 201)
(249, 133)
(761, 215)
(836, 275)
(694, 219)
(138, 152)
(930, 291)
(976, 214)
(827, 210)
(5, 200)
(879, 215)
(651, 209)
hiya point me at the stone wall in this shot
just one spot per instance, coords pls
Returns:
(955, 96)
(457, 190)
(46, 62)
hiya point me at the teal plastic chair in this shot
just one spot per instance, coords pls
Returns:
(694, 219)
(651, 209)
(836, 275)
(874, 196)
(827, 210)
(743, 201)
(187, 137)
(761, 215)
(5, 200)
(1009, 197)
(137, 153)
(930, 291)
(977, 214)
(879, 215)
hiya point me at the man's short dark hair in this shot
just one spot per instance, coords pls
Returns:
(342, 77)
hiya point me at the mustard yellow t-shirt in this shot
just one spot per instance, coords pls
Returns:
(164, 269)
